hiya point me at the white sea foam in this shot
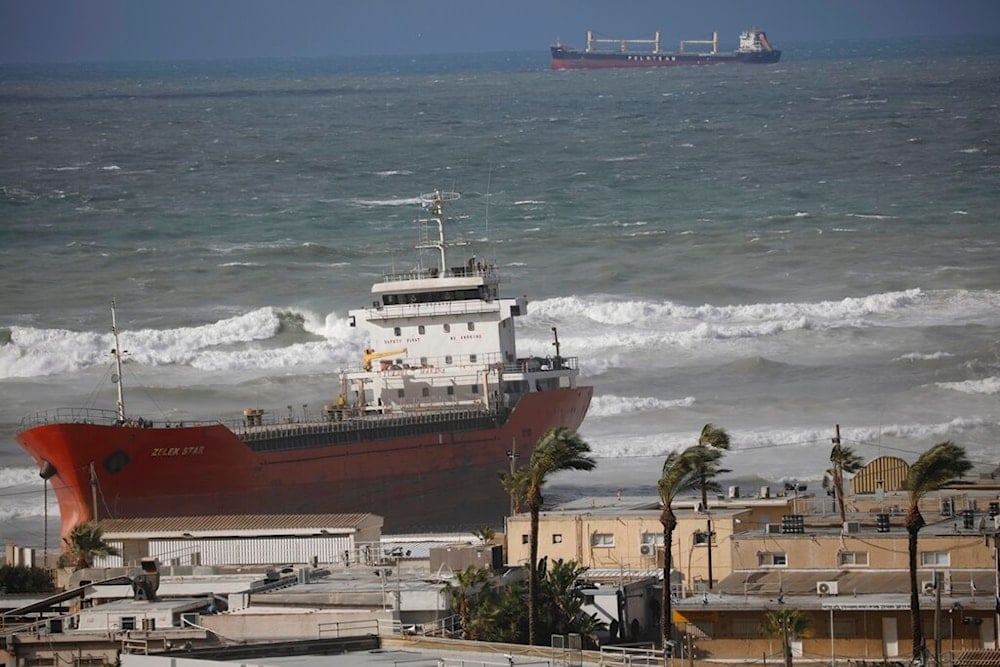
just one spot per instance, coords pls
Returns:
(39, 352)
(796, 452)
(678, 322)
(19, 476)
(917, 356)
(987, 386)
(610, 405)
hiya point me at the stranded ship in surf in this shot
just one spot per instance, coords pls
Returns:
(601, 52)
(441, 402)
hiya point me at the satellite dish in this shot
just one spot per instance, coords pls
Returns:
(114, 378)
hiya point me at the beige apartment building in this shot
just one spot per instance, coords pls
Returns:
(850, 579)
(625, 534)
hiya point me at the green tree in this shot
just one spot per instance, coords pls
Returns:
(933, 470)
(502, 618)
(564, 603)
(843, 459)
(680, 475)
(463, 595)
(711, 438)
(559, 449)
(85, 543)
(786, 624)
(23, 579)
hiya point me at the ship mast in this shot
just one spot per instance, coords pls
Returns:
(435, 203)
(117, 351)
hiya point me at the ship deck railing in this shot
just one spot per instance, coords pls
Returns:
(353, 423)
(478, 269)
(70, 416)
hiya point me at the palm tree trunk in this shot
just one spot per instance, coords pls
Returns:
(667, 622)
(533, 577)
(838, 488)
(915, 622)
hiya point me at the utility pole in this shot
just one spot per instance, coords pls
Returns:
(93, 489)
(996, 582)
(512, 455)
(937, 617)
(786, 647)
(555, 336)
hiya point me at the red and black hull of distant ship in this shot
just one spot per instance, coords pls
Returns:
(564, 58)
(431, 472)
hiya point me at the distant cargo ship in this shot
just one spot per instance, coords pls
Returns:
(754, 49)
(442, 401)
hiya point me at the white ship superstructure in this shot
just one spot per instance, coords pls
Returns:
(441, 336)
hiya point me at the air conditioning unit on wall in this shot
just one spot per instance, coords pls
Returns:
(647, 549)
(927, 587)
(826, 588)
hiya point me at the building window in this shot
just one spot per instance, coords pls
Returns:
(425, 392)
(700, 537)
(770, 559)
(397, 331)
(935, 559)
(421, 329)
(447, 328)
(447, 360)
(653, 538)
(451, 390)
(557, 539)
(603, 540)
(128, 623)
(472, 358)
(472, 326)
(524, 539)
(852, 558)
(475, 389)
(423, 361)
(400, 393)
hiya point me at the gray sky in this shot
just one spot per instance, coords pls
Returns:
(109, 30)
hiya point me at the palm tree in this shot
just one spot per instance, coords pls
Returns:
(559, 449)
(786, 623)
(843, 459)
(680, 475)
(936, 467)
(515, 483)
(708, 469)
(85, 543)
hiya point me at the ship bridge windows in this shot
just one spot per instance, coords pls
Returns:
(472, 294)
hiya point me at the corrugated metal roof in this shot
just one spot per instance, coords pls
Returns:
(151, 526)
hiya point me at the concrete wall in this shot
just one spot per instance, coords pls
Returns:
(275, 625)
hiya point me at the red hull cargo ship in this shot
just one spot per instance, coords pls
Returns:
(440, 403)
(603, 53)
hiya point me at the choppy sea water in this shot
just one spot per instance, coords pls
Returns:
(776, 250)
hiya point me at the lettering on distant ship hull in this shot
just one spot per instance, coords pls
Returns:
(177, 451)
